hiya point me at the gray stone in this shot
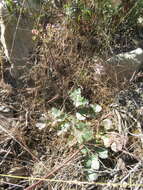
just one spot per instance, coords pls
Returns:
(124, 65)
(16, 38)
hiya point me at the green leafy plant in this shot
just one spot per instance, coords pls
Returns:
(78, 10)
(92, 161)
(84, 110)
(77, 122)
(78, 127)
(77, 99)
(79, 15)
(11, 6)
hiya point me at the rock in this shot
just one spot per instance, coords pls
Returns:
(16, 38)
(122, 67)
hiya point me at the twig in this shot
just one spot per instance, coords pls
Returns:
(131, 171)
(55, 170)
(16, 185)
(5, 124)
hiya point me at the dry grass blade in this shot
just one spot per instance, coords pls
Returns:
(6, 127)
(55, 170)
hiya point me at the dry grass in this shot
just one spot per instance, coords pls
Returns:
(62, 61)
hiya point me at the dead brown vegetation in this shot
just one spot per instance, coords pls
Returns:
(64, 60)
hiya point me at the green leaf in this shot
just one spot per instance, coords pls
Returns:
(81, 126)
(92, 176)
(85, 151)
(103, 154)
(64, 128)
(83, 135)
(106, 141)
(88, 163)
(83, 132)
(58, 115)
(86, 112)
(80, 116)
(86, 13)
(77, 99)
(56, 112)
(95, 164)
(87, 135)
(96, 108)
